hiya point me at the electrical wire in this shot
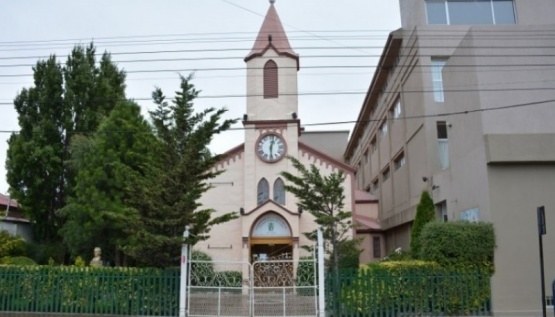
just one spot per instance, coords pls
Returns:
(437, 115)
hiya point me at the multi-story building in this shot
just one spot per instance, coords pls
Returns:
(462, 104)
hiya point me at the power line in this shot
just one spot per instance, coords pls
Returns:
(437, 115)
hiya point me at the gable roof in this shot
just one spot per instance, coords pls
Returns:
(272, 35)
(270, 204)
(326, 158)
(5, 200)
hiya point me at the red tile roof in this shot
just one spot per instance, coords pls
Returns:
(272, 35)
(5, 200)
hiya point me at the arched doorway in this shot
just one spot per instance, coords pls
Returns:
(271, 239)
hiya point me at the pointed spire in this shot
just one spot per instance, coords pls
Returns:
(272, 35)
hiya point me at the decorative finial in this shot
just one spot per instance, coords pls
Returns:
(272, 1)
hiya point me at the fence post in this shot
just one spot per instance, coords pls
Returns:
(183, 279)
(321, 288)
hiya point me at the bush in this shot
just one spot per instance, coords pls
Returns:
(425, 213)
(459, 244)
(82, 290)
(12, 246)
(232, 279)
(17, 260)
(349, 253)
(202, 269)
(411, 288)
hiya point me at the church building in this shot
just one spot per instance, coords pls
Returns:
(270, 224)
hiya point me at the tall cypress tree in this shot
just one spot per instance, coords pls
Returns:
(63, 101)
(425, 213)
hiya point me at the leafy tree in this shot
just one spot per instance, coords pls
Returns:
(113, 168)
(323, 197)
(64, 101)
(425, 213)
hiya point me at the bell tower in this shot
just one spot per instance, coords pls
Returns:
(272, 67)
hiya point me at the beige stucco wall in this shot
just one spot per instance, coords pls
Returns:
(229, 241)
(259, 108)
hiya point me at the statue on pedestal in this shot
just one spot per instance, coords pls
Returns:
(96, 260)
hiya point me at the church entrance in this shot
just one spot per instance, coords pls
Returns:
(271, 252)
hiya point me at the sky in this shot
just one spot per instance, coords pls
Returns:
(339, 43)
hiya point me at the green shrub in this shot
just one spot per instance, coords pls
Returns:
(411, 288)
(349, 253)
(12, 246)
(228, 279)
(47, 253)
(17, 260)
(425, 213)
(459, 244)
(83, 290)
(202, 269)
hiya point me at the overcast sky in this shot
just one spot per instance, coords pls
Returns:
(338, 42)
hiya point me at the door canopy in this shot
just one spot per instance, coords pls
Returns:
(271, 225)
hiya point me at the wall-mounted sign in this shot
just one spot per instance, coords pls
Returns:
(271, 226)
(471, 215)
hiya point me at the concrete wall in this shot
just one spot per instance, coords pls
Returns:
(516, 190)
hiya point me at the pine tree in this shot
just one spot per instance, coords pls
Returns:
(113, 168)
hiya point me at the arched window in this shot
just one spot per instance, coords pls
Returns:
(270, 80)
(279, 191)
(263, 191)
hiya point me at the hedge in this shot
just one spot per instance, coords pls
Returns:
(410, 288)
(85, 290)
(459, 244)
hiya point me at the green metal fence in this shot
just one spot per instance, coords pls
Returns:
(371, 293)
(121, 291)
(155, 292)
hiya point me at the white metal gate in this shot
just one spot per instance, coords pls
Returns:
(263, 288)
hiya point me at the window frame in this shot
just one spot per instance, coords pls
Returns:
(279, 184)
(399, 161)
(491, 12)
(437, 64)
(260, 192)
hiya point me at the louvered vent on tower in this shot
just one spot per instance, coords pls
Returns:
(270, 80)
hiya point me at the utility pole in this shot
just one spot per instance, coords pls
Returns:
(541, 232)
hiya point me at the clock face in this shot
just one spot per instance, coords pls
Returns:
(270, 148)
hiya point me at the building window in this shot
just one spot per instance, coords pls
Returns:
(383, 129)
(443, 144)
(375, 185)
(468, 12)
(395, 111)
(263, 191)
(279, 191)
(385, 174)
(366, 157)
(399, 161)
(270, 80)
(373, 145)
(377, 247)
(441, 211)
(437, 78)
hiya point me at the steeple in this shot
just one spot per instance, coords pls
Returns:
(272, 35)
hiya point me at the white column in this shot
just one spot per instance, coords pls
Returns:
(321, 282)
(184, 276)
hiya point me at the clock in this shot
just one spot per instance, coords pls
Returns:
(270, 147)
